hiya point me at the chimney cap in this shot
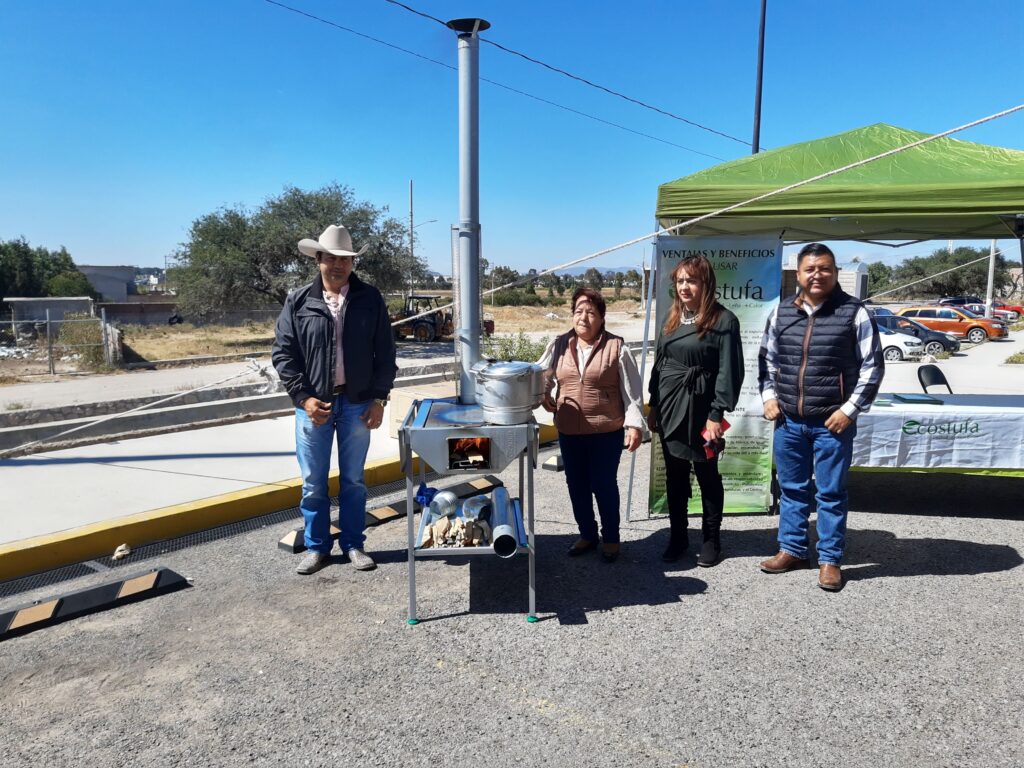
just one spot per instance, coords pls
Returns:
(469, 26)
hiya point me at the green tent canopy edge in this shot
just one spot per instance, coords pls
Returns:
(947, 188)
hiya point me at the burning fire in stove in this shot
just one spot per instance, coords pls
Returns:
(469, 453)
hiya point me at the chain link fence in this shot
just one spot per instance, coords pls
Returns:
(55, 344)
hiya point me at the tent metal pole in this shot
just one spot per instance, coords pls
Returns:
(643, 367)
(991, 279)
(756, 144)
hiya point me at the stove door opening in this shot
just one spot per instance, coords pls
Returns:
(469, 453)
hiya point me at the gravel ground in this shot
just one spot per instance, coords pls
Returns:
(915, 663)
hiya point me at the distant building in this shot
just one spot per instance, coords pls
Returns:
(113, 283)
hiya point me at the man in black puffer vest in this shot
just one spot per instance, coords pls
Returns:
(820, 366)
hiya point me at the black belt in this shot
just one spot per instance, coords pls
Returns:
(338, 390)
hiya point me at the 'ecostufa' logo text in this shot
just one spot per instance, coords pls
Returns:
(965, 428)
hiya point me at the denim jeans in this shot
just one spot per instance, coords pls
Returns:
(803, 446)
(313, 447)
(591, 470)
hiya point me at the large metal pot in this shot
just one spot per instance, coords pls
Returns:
(508, 391)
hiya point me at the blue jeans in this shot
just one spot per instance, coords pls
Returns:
(313, 447)
(591, 470)
(803, 446)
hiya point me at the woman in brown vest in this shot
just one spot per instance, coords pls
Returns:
(698, 370)
(597, 407)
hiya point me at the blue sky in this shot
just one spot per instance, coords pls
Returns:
(124, 121)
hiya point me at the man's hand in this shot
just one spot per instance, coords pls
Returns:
(373, 415)
(317, 410)
(772, 412)
(714, 430)
(633, 438)
(838, 422)
(652, 419)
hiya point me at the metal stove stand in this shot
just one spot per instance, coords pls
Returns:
(429, 430)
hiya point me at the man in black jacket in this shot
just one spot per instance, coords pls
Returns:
(820, 366)
(335, 354)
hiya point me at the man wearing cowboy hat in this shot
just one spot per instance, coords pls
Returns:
(335, 353)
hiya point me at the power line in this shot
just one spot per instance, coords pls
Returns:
(359, 34)
(363, 35)
(764, 196)
(579, 78)
(600, 119)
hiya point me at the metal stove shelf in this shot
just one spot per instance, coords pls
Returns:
(429, 430)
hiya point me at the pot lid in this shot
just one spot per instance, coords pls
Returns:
(508, 369)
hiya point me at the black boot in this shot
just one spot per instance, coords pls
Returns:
(678, 541)
(710, 553)
(711, 549)
(712, 496)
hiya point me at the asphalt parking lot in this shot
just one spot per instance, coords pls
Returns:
(915, 663)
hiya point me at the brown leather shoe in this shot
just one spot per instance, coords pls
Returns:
(609, 552)
(830, 577)
(784, 562)
(581, 547)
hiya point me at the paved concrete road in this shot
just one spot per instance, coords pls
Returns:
(130, 476)
(916, 663)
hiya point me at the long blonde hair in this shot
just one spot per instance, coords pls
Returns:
(709, 310)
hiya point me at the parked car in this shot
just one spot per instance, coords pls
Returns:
(959, 301)
(880, 311)
(1019, 309)
(959, 322)
(1005, 315)
(899, 346)
(932, 341)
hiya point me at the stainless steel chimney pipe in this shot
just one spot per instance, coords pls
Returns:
(468, 336)
(504, 540)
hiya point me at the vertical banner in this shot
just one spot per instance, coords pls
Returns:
(748, 271)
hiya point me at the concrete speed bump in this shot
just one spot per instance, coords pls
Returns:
(554, 463)
(118, 591)
(76, 545)
(43, 553)
(294, 541)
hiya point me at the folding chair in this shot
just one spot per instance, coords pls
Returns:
(931, 375)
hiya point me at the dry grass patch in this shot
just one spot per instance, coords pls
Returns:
(535, 319)
(176, 341)
(171, 342)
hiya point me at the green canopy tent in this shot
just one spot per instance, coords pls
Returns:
(946, 189)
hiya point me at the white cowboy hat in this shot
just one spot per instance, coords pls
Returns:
(335, 241)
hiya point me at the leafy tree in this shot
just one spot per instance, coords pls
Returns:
(618, 279)
(632, 278)
(966, 280)
(27, 271)
(502, 276)
(553, 282)
(593, 278)
(72, 283)
(235, 258)
(879, 277)
(531, 287)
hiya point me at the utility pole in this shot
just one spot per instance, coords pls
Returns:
(411, 253)
(991, 279)
(756, 144)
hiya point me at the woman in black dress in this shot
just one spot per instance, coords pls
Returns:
(698, 370)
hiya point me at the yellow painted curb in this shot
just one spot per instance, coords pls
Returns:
(44, 553)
